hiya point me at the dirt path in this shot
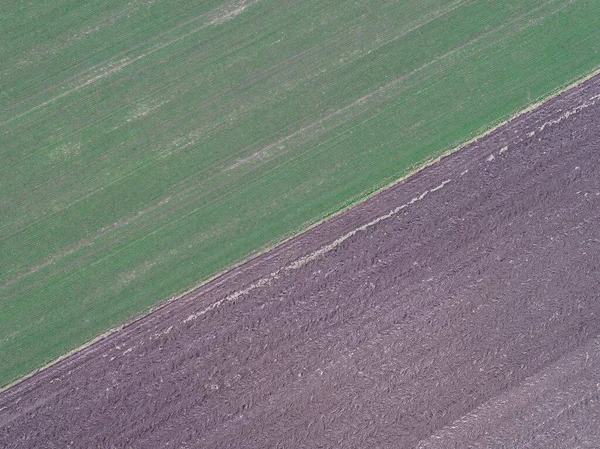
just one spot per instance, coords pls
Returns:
(458, 309)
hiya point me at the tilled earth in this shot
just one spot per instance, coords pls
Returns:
(460, 308)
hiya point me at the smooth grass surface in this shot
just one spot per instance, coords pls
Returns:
(147, 146)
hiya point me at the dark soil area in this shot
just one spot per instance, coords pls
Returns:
(460, 308)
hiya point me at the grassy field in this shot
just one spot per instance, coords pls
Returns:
(147, 145)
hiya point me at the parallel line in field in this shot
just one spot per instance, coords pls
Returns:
(433, 16)
(217, 16)
(256, 78)
(577, 366)
(358, 102)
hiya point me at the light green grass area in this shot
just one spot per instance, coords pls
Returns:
(147, 145)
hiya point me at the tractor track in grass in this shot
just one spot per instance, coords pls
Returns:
(361, 106)
(459, 308)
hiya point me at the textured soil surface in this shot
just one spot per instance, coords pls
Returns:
(460, 308)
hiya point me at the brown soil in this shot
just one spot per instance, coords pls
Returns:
(460, 308)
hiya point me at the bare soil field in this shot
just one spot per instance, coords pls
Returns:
(460, 308)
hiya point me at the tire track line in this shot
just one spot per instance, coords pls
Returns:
(263, 153)
(217, 16)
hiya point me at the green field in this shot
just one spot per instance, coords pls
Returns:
(147, 145)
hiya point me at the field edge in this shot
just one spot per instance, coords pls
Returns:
(349, 204)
